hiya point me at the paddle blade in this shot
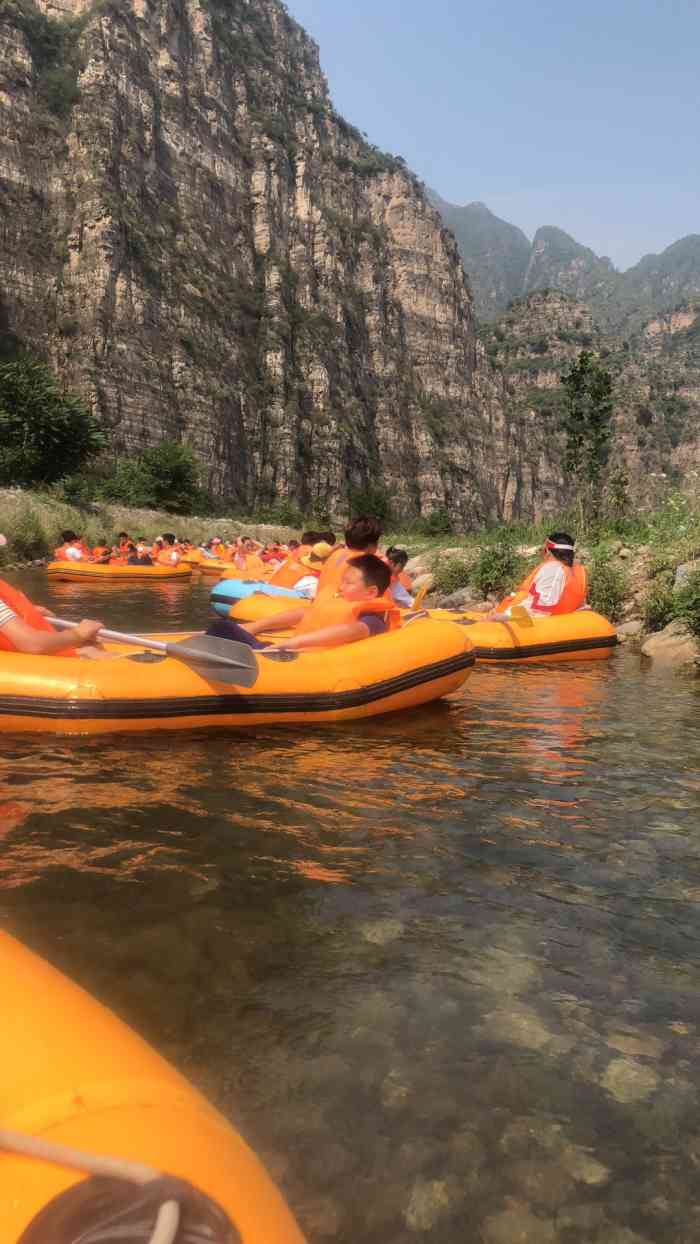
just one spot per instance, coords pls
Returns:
(518, 614)
(218, 660)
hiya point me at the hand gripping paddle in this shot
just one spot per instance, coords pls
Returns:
(219, 660)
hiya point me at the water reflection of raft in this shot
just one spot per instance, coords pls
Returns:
(581, 636)
(93, 572)
(76, 1075)
(70, 695)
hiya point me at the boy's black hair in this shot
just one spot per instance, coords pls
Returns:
(122, 533)
(310, 537)
(68, 536)
(562, 555)
(363, 533)
(398, 557)
(293, 544)
(168, 537)
(327, 536)
(374, 571)
(141, 539)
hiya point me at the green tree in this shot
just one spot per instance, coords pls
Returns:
(45, 431)
(164, 477)
(586, 416)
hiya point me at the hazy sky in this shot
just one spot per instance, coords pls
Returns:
(585, 116)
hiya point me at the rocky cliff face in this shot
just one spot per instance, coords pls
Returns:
(209, 252)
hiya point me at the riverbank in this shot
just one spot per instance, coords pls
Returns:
(644, 573)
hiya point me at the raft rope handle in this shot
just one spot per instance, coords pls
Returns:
(168, 1219)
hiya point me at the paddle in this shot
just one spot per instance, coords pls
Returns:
(521, 615)
(221, 660)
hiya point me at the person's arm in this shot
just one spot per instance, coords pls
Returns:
(328, 637)
(400, 595)
(28, 639)
(278, 621)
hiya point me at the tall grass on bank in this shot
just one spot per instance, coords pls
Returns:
(33, 522)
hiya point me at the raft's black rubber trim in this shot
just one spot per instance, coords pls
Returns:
(242, 704)
(520, 651)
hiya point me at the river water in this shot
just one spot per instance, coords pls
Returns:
(442, 969)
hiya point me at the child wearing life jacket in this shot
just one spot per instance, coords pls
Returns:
(101, 553)
(359, 609)
(71, 548)
(361, 536)
(25, 627)
(401, 584)
(168, 555)
(557, 585)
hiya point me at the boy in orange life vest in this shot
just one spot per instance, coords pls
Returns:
(24, 627)
(360, 609)
(361, 536)
(556, 586)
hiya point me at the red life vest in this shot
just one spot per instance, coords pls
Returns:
(335, 611)
(26, 612)
(571, 599)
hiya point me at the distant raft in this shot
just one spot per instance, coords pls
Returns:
(402, 669)
(581, 636)
(94, 572)
(76, 1076)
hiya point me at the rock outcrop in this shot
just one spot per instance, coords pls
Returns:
(207, 251)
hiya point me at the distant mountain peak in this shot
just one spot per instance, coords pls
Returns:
(502, 265)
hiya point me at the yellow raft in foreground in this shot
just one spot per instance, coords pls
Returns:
(581, 636)
(423, 661)
(77, 572)
(73, 1074)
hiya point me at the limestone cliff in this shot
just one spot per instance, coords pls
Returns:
(209, 252)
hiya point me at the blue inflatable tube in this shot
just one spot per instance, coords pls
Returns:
(226, 593)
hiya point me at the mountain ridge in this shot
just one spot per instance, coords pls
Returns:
(555, 259)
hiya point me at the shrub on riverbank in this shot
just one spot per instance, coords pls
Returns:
(607, 587)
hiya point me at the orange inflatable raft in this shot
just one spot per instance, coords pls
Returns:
(402, 669)
(581, 636)
(93, 572)
(76, 1076)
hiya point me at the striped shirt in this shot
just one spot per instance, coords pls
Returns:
(6, 614)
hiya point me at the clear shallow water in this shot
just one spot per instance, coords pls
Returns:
(442, 969)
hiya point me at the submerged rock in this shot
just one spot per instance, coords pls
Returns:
(583, 1167)
(636, 1043)
(431, 1200)
(517, 1225)
(381, 932)
(517, 1025)
(628, 1081)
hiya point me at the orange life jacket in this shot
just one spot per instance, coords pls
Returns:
(571, 599)
(155, 549)
(168, 557)
(61, 553)
(26, 612)
(334, 568)
(289, 573)
(100, 550)
(336, 611)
